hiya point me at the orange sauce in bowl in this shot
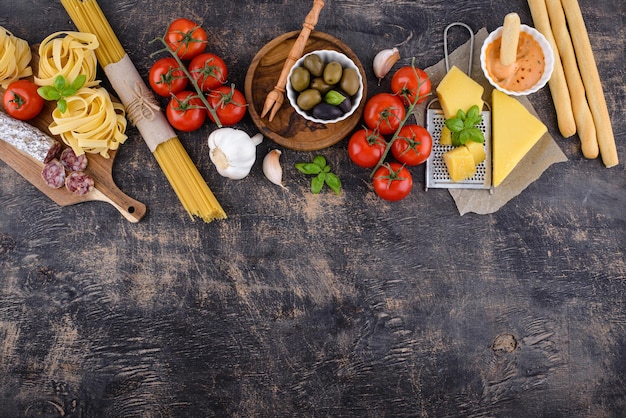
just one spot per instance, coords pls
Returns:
(527, 69)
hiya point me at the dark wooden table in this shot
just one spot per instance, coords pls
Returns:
(318, 305)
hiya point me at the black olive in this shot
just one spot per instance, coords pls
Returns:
(326, 111)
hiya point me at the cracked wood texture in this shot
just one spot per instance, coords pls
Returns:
(317, 305)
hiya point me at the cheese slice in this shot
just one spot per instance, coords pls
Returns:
(514, 131)
(458, 91)
(460, 163)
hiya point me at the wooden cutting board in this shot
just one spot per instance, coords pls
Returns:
(99, 168)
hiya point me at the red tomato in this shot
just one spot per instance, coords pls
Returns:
(229, 104)
(393, 181)
(167, 78)
(409, 81)
(186, 38)
(412, 146)
(366, 148)
(384, 111)
(22, 101)
(185, 111)
(208, 70)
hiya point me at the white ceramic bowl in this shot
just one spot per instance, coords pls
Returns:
(327, 55)
(547, 53)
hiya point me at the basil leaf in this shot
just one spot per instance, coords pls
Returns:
(464, 136)
(48, 93)
(320, 161)
(473, 112)
(334, 98)
(455, 139)
(59, 83)
(333, 182)
(79, 82)
(454, 124)
(308, 168)
(62, 105)
(317, 183)
(460, 114)
(476, 135)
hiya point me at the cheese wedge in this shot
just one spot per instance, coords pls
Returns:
(477, 149)
(514, 131)
(460, 163)
(458, 91)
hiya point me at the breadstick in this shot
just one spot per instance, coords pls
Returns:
(557, 83)
(592, 82)
(582, 114)
(510, 39)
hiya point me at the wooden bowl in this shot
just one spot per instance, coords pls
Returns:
(288, 128)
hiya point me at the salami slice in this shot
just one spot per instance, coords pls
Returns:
(53, 152)
(73, 162)
(79, 183)
(53, 174)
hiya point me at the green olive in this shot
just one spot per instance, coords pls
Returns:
(318, 83)
(314, 64)
(300, 79)
(332, 72)
(308, 99)
(350, 82)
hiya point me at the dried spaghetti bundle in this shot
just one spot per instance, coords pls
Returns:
(143, 111)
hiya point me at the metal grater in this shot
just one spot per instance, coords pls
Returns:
(436, 170)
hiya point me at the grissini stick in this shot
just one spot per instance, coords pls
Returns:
(592, 82)
(275, 98)
(582, 114)
(510, 39)
(557, 83)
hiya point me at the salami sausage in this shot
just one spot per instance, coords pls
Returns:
(53, 174)
(79, 182)
(73, 162)
(28, 139)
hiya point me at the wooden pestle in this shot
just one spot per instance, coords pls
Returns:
(274, 99)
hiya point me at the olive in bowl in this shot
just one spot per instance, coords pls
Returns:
(325, 86)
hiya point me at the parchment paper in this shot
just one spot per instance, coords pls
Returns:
(545, 153)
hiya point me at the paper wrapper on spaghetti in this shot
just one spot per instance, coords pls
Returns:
(142, 108)
(545, 153)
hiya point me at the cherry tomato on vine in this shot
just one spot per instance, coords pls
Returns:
(366, 148)
(166, 77)
(209, 71)
(229, 104)
(22, 101)
(408, 82)
(384, 111)
(392, 181)
(186, 38)
(412, 146)
(185, 111)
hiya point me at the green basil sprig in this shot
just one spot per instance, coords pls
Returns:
(61, 89)
(322, 173)
(463, 126)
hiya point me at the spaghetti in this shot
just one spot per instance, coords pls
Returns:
(183, 175)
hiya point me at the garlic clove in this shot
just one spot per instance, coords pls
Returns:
(384, 61)
(272, 169)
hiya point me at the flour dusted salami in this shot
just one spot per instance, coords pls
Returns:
(79, 183)
(73, 162)
(53, 174)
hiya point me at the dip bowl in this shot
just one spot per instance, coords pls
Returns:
(547, 53)
(327, 55)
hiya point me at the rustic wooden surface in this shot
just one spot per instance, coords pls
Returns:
(317, 305)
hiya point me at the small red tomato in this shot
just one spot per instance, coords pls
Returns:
(366, 148)
(412, 146)
(185, 111)
(392, 181)
(22, 101)
(229, 104)
(186, 38)
(166, 77)
(209, 71)
(384, 111)
(408, 82)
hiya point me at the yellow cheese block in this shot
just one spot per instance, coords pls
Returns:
(458, 91)
(514, 131)
(477, 149)
(460, 163)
